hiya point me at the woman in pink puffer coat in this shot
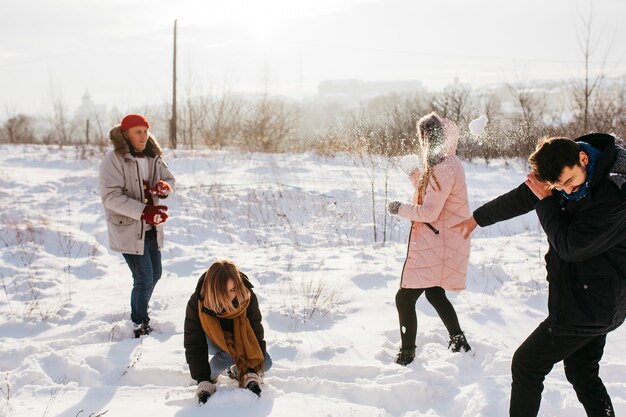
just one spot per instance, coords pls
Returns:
(437, 257)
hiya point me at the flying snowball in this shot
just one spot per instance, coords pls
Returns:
(410, 163)
(332, 206)
(477, 126)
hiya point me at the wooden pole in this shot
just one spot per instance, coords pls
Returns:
(174, 117)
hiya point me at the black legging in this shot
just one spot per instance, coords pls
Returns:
(436, 296)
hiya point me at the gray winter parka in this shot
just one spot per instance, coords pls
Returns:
(121, 190)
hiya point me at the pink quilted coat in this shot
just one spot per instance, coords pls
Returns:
(439, 257)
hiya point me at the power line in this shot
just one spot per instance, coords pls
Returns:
(407, 52)
(78, 51)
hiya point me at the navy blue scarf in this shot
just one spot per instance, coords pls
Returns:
(583, 191)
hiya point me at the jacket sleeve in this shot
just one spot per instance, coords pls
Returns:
(434, 199)
(112, 189)
(514, 203)
(596, 227)
(254, 316)
(166, 175)
(196, 348)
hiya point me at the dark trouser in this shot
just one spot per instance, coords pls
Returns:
(534, 359)
(405, 303)
(146, 271)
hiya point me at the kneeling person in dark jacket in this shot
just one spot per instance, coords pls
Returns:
(577, 189)
(223, 320)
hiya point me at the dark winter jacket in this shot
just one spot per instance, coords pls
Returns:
(586, 260)
(196, 348)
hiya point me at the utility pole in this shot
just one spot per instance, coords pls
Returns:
(173, 119)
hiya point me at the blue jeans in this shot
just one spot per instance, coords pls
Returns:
(221, 360)
(146, 271)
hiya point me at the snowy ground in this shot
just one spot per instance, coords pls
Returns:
(300, 226)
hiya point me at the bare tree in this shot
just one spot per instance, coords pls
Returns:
(454, 103)
(191, 114)
(220, 118)
(268, 124)
(586, 90)
(528, 123)
(17, 129)
(61, 129)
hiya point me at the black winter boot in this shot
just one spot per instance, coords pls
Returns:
(252, 381)
(141, 329)
(458, 343)
(405, 356)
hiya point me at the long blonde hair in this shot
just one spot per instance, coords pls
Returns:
(430, 131)
(215, 287)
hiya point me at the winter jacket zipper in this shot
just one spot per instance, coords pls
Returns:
(431, 227)
(406, 259)
(141, 195)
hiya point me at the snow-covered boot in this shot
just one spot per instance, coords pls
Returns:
(458, 343)
(231, 371)
(252, 381)
(141, 329)
(405, 356)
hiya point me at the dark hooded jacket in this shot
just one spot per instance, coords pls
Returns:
(196, 347)
(586, 260)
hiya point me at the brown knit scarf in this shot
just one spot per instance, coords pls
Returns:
(241, 345)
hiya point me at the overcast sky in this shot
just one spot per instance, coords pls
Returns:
(120, 50)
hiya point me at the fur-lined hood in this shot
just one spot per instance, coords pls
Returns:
(121, 147)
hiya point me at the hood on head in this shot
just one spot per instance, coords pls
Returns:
(120, 145)
(451, 134)
(449, 144)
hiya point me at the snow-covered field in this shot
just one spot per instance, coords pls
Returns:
(300, 226)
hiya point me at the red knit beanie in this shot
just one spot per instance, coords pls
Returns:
(133, 120)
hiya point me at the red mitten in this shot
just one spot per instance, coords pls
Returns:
(155, 215)
(161, 188)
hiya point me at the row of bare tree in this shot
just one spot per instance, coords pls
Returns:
(382, 125)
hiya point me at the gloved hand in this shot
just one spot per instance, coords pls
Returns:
(155, 215)
(393, 207)
(204, 391)
(161, 189)
(252, 381)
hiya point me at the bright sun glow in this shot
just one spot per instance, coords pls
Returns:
(258, 29)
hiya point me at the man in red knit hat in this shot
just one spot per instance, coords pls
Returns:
(133, 180)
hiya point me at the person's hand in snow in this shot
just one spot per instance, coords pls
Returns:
(204, 391)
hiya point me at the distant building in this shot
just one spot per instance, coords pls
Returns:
(88, 109)
(95, 113)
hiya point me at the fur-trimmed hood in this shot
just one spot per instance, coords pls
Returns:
(121, 146)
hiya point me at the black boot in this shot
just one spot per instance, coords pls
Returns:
(458, 343)
(141, 329)
(405, 356)
(252, 381)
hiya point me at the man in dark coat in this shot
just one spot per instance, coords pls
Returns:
(577, 189)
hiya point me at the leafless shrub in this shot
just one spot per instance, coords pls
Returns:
(17, 129)
(267, 124)
(304, 297)
(54, 392)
